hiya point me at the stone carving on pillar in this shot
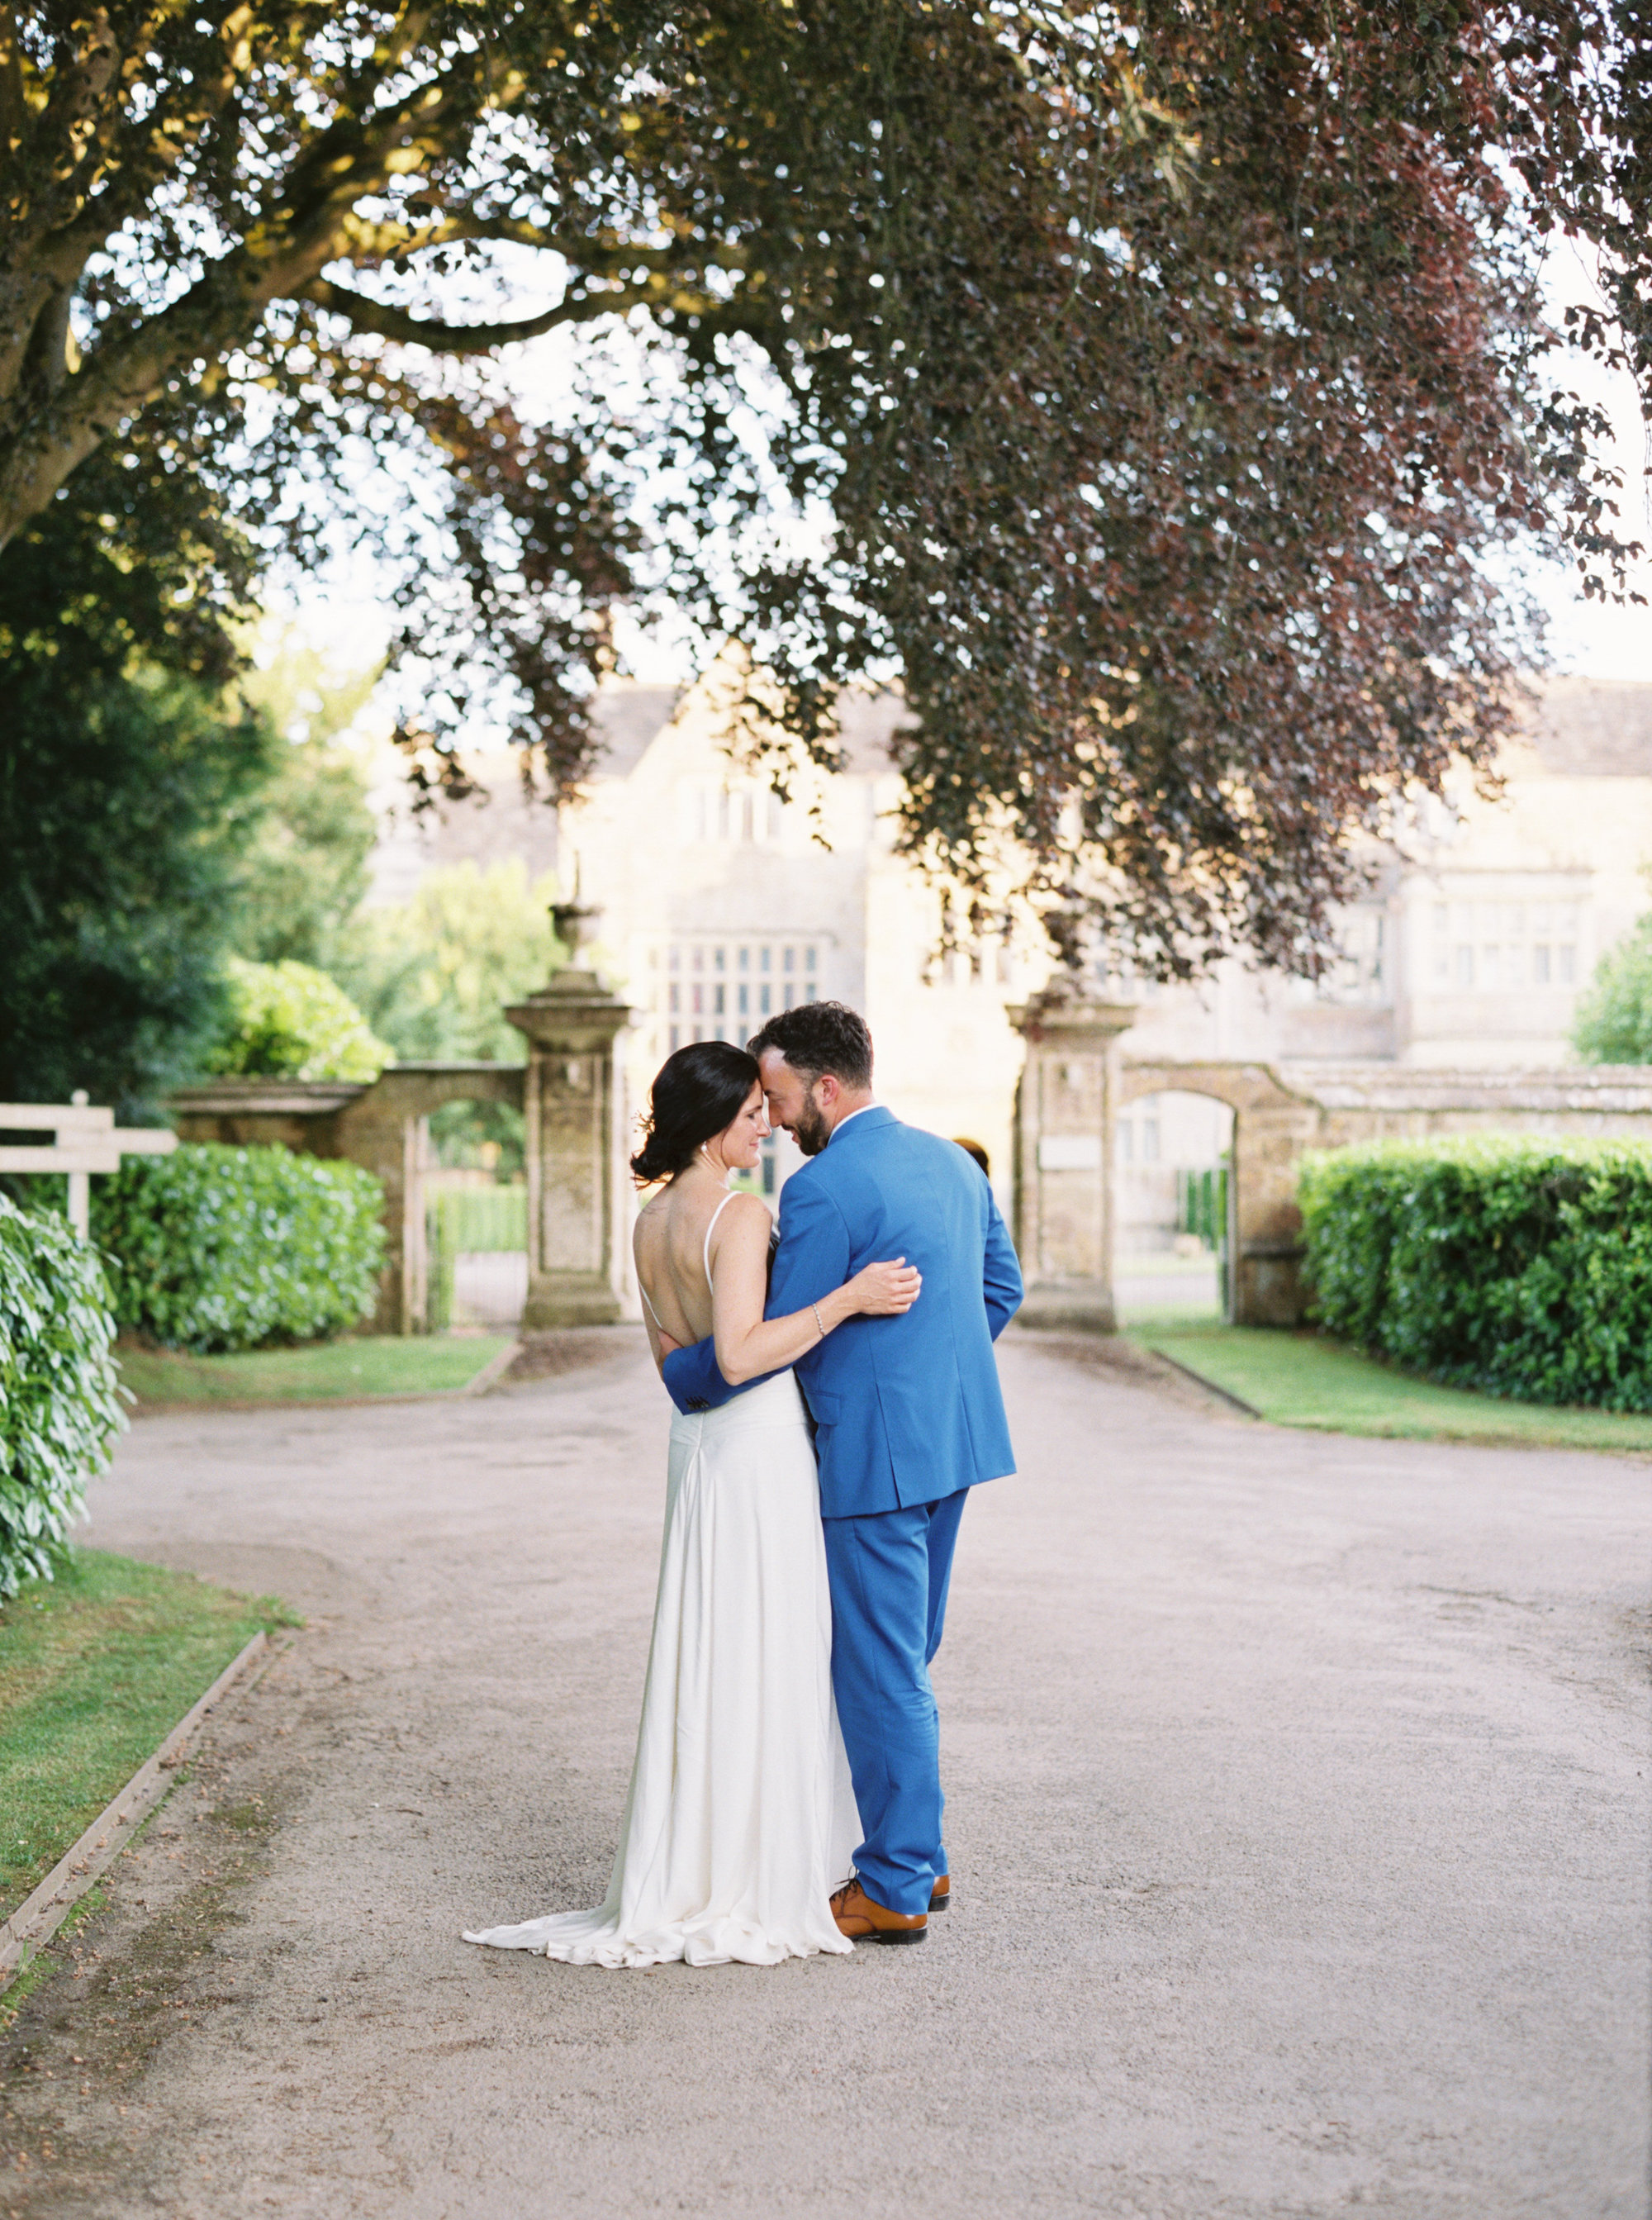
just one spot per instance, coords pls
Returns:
(1064, 1111)
(575, 1137)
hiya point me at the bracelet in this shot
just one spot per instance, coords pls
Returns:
(818, 1321)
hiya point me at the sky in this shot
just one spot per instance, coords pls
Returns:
(1588, 639)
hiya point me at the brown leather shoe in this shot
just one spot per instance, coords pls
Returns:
(863, 1921)
(941, 1895)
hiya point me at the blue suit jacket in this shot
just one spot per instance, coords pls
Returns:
(907, 1409)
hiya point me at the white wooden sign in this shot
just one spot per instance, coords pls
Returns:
(78, 1139)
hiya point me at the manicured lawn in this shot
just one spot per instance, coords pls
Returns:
(1142, 1319)
(1301, 1380)
(97, 1667)
(368, 1364)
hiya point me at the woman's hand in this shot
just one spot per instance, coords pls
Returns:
(884, 1290)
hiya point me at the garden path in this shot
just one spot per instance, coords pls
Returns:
(1297, 1816)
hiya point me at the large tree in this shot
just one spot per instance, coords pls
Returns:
(1163, 388)
(305, 871)
(130, 788)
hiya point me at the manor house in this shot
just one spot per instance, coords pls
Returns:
(720, 905)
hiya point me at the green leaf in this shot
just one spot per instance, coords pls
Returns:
(59, 1404)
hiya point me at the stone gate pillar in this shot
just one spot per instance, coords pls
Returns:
(574, 1118)
(1064, 1111)
(1265, 1262)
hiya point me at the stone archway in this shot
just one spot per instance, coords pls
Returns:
(571, 1093)
(380, 1126)
(1075, 1083)
(386, 1131)
(1272, 1125)
(1072, 1086)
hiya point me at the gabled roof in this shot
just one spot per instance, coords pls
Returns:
(1593, 728)
(1580, 727)
(630, 719)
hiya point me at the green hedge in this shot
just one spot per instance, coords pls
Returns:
(224, 1248)
(60, 1406)
(1519, 1266)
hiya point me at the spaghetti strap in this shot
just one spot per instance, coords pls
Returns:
(715, 1215)
(705, 1259)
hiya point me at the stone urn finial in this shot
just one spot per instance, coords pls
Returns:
(572, 920)
(575, 923)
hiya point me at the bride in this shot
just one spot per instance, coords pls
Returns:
(741, 1819)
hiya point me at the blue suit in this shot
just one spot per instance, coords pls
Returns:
(908, 1415)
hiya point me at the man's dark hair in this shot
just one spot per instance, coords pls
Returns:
(818, 1037)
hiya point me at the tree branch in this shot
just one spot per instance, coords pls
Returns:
(357, 154)
(391, 323)
(55, 167)
(367, 239)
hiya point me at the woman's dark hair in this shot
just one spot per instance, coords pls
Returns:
(697, 1091)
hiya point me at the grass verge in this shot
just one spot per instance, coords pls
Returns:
(97, 1667)
(1298, 1379)
(368, 1364)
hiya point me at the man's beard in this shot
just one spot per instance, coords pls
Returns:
(810, 1130)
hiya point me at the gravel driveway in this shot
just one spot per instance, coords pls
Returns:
(1297, 1815)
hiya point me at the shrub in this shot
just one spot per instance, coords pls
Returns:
(221, 1248)
(59, 1407)
(291, 1021)
(1520, 1266)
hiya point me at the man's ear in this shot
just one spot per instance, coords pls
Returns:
(831, 1087)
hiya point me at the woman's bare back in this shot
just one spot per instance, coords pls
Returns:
(670, 1249)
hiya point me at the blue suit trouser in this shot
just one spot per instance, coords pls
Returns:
(889, 1571)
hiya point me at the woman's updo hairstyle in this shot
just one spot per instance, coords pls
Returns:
(698, 1091)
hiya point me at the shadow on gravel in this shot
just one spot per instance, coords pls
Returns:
(571, 1349)
(1131, 1365)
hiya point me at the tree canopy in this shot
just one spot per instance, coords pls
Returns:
(1612, 1023)
(1158, 391)
(129, 793)
(154, 817)
(305, 873)
(288, 1020)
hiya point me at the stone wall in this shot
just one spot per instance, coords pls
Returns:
(1071, 1087)
(1279, 1112)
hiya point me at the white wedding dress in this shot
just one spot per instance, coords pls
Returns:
(741, 1818)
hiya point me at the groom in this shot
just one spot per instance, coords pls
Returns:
(909, 1417)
